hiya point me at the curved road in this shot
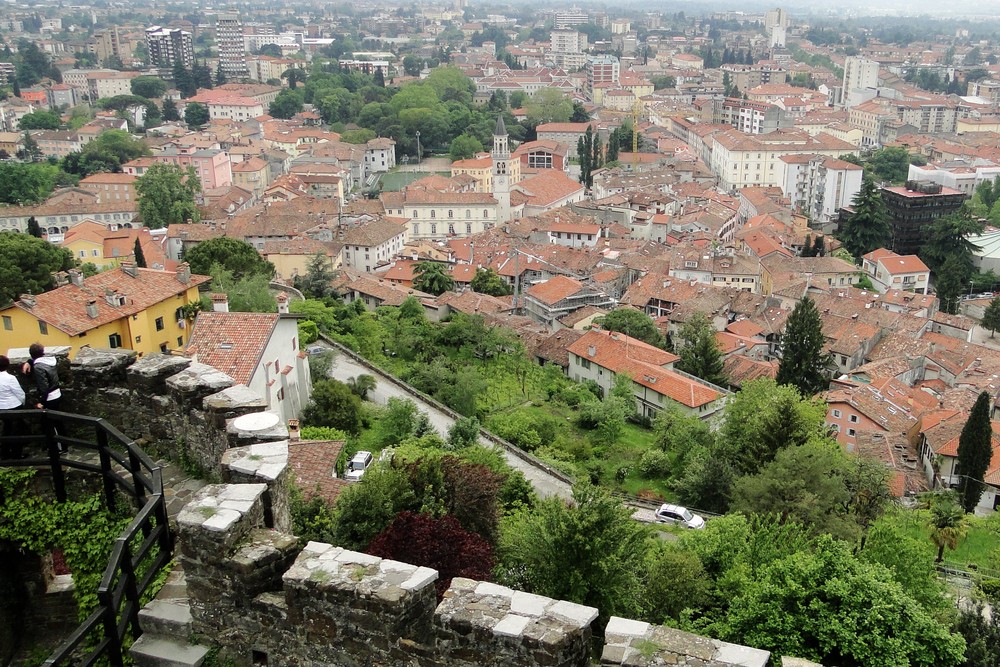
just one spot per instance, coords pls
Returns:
(344, 367)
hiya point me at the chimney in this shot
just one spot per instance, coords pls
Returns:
(76, 277)
(293, 430)
(60, 278)
(92, 309)
(130, 269)
(591, 351)
(282, 300)
(184, 273)
(220, 303)
(28, 300)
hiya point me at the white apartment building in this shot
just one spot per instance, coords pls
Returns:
(958, 175)
(380, 155)
(860, 74)
(741, 160)
(168, 46)
(372, 244)
(568, 41)
(232, 52)
(818, 186)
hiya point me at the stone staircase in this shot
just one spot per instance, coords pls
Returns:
(166, 624)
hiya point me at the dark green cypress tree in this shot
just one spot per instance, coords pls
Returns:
(140, 257)
(34, 228)
(868, 228)
(975, 449)
(803, 361)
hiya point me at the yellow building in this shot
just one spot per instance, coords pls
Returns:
(127, 307)
(292, 257)
(479, 168)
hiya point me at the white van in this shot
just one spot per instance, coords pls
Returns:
(357, 466)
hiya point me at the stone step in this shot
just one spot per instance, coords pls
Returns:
(168, 618)
(154, 651)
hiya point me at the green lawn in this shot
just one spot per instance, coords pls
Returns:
(397, 180)
(982, 539)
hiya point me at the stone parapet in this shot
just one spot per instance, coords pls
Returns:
(268, 463)
(637, 644)
(479, 623)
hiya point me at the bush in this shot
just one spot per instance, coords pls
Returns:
(322, 433)
(654, 463)
(517, 428)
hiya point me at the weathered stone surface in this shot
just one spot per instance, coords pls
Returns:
(240, 437)
(236, 399)
(152, 371)
(198, 381)
(92, 363)
(636, 644)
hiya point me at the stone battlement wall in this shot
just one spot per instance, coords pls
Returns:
(255, 591)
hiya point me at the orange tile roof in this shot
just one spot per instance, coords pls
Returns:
(313, 463)
(65, 307)
(231, 342)
(555, 289)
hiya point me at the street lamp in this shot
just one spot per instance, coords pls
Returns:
(418, 146)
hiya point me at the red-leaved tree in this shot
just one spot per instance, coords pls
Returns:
(442, 544)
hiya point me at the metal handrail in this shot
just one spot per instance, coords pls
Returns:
(143, 481)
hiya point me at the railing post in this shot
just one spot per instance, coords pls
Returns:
(131, 593)
(105, 598)
(162, 519)
(58, 477)
(109, 483)
(135, 467)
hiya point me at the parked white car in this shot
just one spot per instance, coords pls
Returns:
(357, 466)
(680, 516)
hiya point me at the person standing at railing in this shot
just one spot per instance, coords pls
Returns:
(43, 372)
(11, 398)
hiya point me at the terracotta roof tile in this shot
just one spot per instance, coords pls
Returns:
(232, 342)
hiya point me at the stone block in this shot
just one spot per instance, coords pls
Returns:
(100, 366)
(234, 401)
(217, 517)
(635, 644)
(150, 373)
(197, 381)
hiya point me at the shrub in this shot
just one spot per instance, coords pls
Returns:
(654, 463)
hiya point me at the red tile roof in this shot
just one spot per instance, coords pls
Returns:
(313, 464)
(555, 289)
(65, 307)
(232, 342)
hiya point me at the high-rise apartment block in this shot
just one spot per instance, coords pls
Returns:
(232, 51)
(168, 46)
(602, 71)
(860, 75)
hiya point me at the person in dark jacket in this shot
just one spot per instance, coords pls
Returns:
(43, 371)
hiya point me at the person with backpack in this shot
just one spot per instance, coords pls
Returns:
(43, 372)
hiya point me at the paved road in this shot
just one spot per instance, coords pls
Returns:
(344, 368)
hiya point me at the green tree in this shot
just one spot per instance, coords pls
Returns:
(463, 433)
(824, 605)
(464, 147)
(867, 482)
(317, 283)
(196, 114)
(107, 153)
(911, 562)
(286, 104)
(667, 593)
(294, 76)
(166, 194)
(991, 316)
(30, 150)
(220, 76)
(890, 164)
(634, 323)
(488, 281)
(982, 635)
(140, 256)
(868, 228)
(948, 522)
(25, 184)
(34, 228)
(40, 120)
(803, 484)
(333, 404)
(247, 294)
(412, 65)
(184, 81)
(948, 283)
(432, 277)
(362, 384)
(699, 350)
(150, 87)
(590, 552)
(548, 105)
(948, 238)
(975, 449)
(361, 136)
(234, 255)
(803, 363)
(364, 509)
(170, 112)
(27, 264)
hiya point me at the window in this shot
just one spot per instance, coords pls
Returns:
(433, 213)
(486, 213)
(163, 348)
(159, 324)
(180, 342)
(434, 229)
(8, 324)
(43, 328)
(837, 414)
(853, 419)
(851, 432)
(585, 363)
(451, 213)
(468, 214)
(114, 340)
(468, 228)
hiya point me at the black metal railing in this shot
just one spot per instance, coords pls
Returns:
(140, 552)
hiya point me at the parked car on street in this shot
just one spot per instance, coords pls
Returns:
(680, 516)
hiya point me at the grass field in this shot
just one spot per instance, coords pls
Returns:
(397, 180)
(982, 539)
